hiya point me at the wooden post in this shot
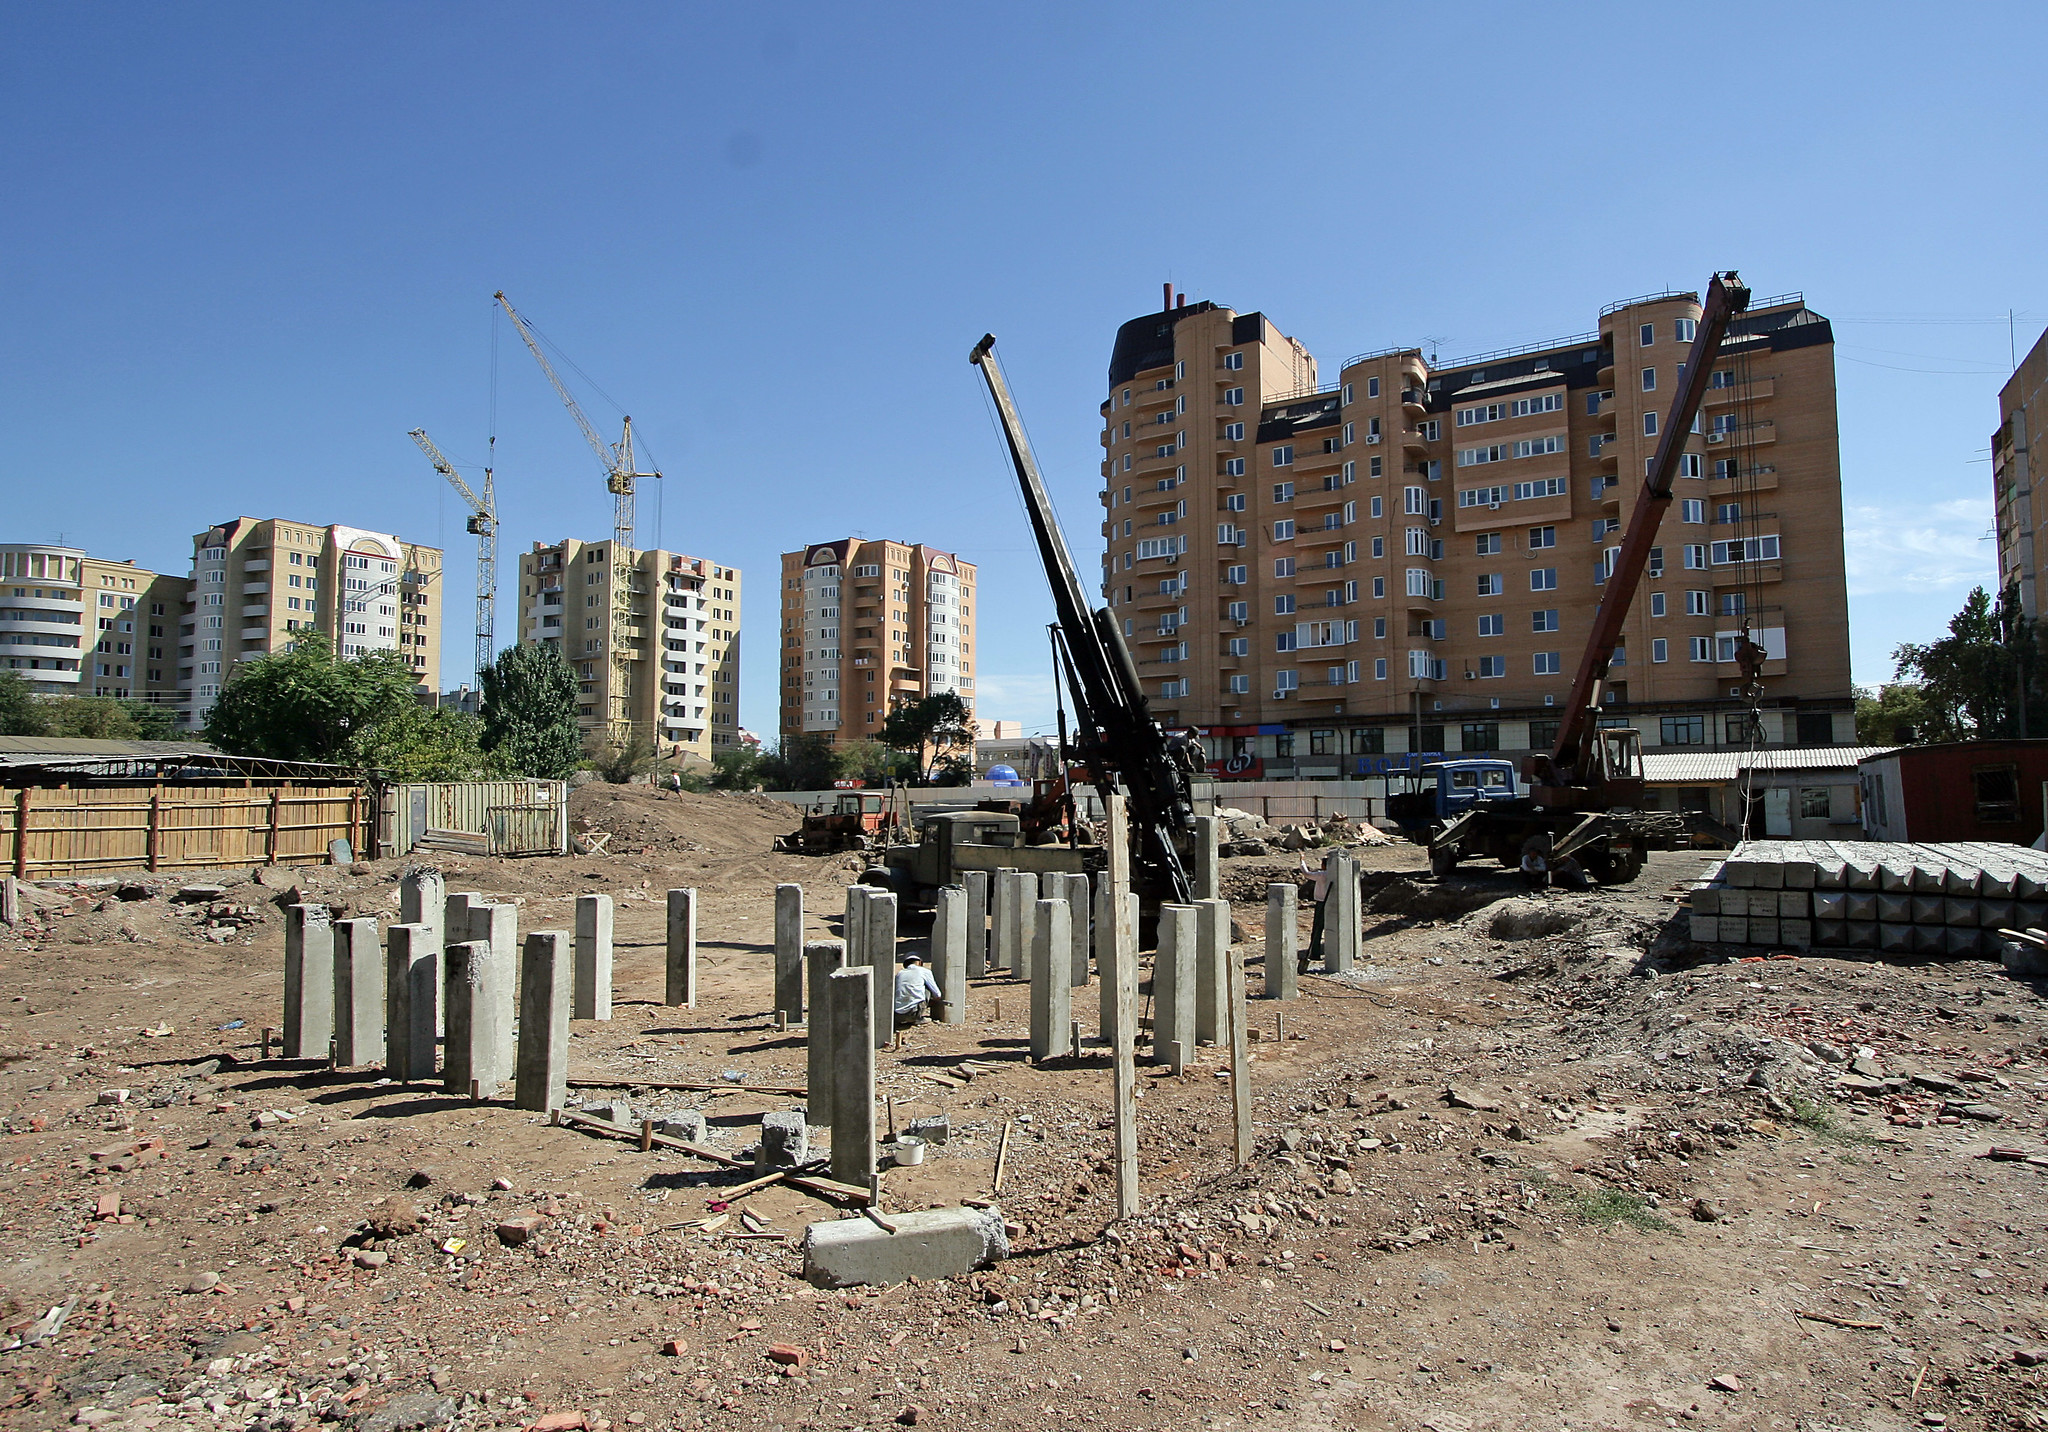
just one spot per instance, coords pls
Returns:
(355, 831)
(156, 817)
(1124, 970)
(1240, 1058)
(21, 832)
(276, 816)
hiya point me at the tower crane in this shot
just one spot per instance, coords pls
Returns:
(483, 522)
(620, 476)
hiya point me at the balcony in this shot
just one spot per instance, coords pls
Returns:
(256, 564)
(1755, 434)
(1414, 398)
(1413, 440)
(1761, 477)
(1758, 388)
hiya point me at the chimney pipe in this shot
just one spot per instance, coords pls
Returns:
(1166, 299)
(1180, 300)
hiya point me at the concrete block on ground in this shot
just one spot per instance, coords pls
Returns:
(479, 1048)
(1028, 920)
(1860, 905)
(1762, 932)
(593, 957)
(934, 1243)
(546, 989)
(1212, 970)
(1831, 934)
(1342, 928)
(358, 993)
(1795, 934)
(685, 1124)
(880, 947)
(789, 951)
(1051, 884)
(1895, 939)
(308, 981)
(1794, 905)
(1283, 934)
(1173, 981)
(821, 958)
(681, 989)
(412, 1000)
(853, 925)
(935, 1129)
(1207, 866)
(423, 900)
(1830, 904)
(785, 1139)
(1079, 919)
(1929, 909)
(1706, 929)
(949, 947)
(975, 883)
(1052, 991)
(1862, 934)
(851, 994)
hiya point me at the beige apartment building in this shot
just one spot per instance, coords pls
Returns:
(681, 664)
(2022, 409)
(77, 625)
(257, 582)
(1323, 576)
(868, 624)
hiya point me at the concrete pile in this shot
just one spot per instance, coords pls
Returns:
(1897, 898)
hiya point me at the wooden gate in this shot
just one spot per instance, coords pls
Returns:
(48, 831)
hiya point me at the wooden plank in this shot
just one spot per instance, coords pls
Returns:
(627, 1081)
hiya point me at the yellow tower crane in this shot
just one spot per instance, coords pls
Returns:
(620, 477)
(483, 522)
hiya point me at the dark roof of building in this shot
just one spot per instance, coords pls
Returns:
(1283, 420)
(1148, 342)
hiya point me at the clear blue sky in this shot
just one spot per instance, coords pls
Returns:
(244, 248)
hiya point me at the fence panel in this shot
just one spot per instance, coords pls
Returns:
(57, 831)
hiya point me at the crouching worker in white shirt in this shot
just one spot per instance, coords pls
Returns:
(917, 993)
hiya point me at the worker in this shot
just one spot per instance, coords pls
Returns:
(917, 993)
(1319, 890)
(1535, 869)
(675, 782)
(1568, 874)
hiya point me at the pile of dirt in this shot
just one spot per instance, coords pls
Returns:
(641, 818)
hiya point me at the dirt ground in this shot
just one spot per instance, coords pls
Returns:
(1540, 1162)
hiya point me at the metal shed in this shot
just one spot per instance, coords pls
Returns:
(522, 817)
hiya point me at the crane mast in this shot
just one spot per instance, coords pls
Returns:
(483, 523)
(620, 476)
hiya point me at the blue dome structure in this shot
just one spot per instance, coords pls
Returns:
(1004, 775)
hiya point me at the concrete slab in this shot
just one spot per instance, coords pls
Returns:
(934, 1243)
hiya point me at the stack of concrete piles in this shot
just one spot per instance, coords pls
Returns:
(1894, 897)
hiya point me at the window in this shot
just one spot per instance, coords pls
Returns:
(1733, 604)
(1490, 584)
(1656, 604)
(1695, 604)
(1283, 456)
(1692, 509)
(1415, 501)
(1431, 430)
(1492, 666)
(1374, 470)
(1233, 397)
(1546, 403)
(1372, 387)
(1234, 502)
(1683, 730)
(1418, 582)
(1418, 541)
(1483, 497)
(1684, 329)
(1283, 566)
(1696, 556)
(1284, 681)
(1282, 531)
(1283, 605)
(1233, 361)
(1542, 735)
(1543, 619)
(1480, 735)
(1656, 561)
(1646, 335)
(1542, 537)
(1284, 641)
(1689, 465)
(1377, 509)
(1727, 512)
(1484, 413)
(1649, 425)
(1723, 423)
(1702, 648)
(1379, 669)
(1492, 624)
(1548, 663)
(1349, 429)
(1998, 792)
(1233, 467)
(1480, 456)
(1379, 628)
(1752, 549)
(1816, 728)
(1543, 579)
(1240, 685)
(1233, 432)
(1379, 588)
(1238, 646)
(1486, 544)
(1660, 649)
(1649, 380)
(1814, 803)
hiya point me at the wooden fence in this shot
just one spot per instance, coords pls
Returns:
(65, 830)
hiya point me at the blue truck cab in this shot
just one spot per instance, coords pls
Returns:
(1441, 791)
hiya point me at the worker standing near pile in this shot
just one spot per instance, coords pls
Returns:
(1319, 890)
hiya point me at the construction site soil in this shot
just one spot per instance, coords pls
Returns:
(1539, 1162)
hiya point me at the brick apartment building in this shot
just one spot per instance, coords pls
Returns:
(77, 625)
(2022, 409)
(682, 658)
(866, 624)
(1323, 576)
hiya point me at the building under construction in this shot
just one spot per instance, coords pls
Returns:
(676, 672)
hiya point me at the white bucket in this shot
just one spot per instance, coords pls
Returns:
(909, 1150)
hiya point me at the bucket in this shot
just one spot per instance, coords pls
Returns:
(909, 1151)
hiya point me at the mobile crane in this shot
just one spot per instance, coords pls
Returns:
(1585, 797)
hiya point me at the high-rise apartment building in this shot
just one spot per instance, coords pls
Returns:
(2022, 412)
(257, 582)
(681, 664)
(77, 625)
(1320, 576)
(869, 624)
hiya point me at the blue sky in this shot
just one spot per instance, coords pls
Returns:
(245, 248)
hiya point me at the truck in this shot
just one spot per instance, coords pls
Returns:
(1585, 796)
(857, 820)
(1114, 742)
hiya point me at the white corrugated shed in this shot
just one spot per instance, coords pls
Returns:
(1712, 767)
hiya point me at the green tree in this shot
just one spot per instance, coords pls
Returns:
(529, 713)
(416, 742)
(737, 768)
(304, 705)
(1973, 680)
(619, 764)
(20, 713)
(92, 718)
(939, 723)
(1884, 711)
(869, 761)
(803, 761)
